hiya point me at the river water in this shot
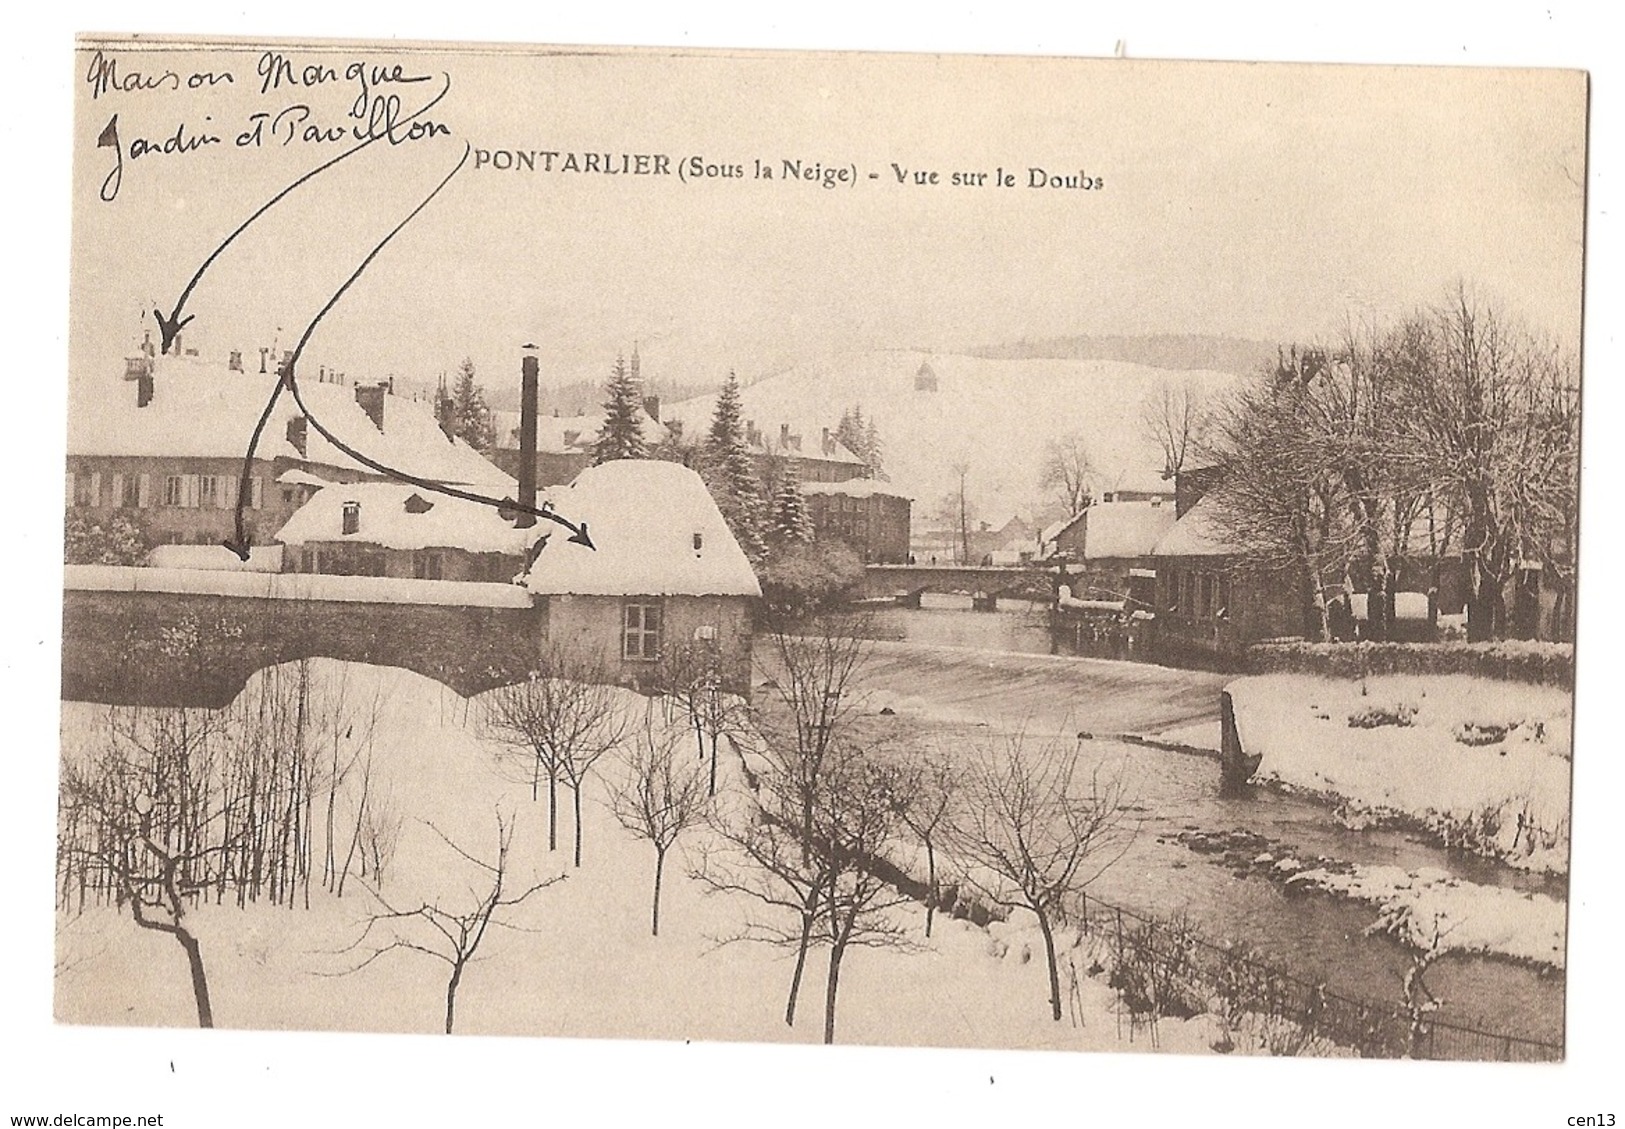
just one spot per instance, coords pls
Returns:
(953, 675)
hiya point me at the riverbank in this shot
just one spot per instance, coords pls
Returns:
(1479, 764)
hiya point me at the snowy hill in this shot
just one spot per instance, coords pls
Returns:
(994, 415)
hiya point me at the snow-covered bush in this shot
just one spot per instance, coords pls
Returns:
(1549, 664)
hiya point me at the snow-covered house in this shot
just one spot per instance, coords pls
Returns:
(393, 529)
(664, 571)
(170, 450)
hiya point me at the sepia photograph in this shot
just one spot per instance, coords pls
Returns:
(964, 551)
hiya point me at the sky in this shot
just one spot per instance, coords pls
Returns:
(1272, 202)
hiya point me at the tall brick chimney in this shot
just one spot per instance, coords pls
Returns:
(371, 399)
(528, 370)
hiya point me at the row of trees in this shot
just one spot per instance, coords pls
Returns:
(1452, 433)
(251, 803)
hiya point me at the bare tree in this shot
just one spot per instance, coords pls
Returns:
(1067, 472)
(691, 675)
(558, 722)
(1174, 416)
(827, 889)
(926, 790)
(660, 796)
(115, 832)
(958, 510)
(1034, 828)
(449, 936)
(1492, 414)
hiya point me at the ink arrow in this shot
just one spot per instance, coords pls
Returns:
(288, 378)
(170, 325)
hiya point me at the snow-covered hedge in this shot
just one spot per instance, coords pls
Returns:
(1546, 664)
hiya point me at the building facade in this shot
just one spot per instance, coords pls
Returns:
(871, 520)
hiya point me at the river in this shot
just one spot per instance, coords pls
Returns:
(959, 677)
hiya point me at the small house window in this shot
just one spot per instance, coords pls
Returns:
(640, 637)
(175, 490)
(208, 490)
(351, 518)
(130, 492)
(427, 566)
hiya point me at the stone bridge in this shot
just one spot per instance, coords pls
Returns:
(908, 582)
(133, 636)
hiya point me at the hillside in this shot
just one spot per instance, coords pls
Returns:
(993, 415)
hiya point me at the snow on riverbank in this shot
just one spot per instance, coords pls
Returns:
(1483, 764)
(1430, 909)
(580, 960)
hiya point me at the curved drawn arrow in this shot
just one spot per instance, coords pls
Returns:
(241, 544)
(169, 327)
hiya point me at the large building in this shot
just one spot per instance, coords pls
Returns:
(168, 447)
(862, 513)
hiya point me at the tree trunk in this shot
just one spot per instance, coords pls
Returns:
(831, 986)
(451, 994)
(807, 919)
(660, 865)
(575, 794)
(712, 787)
(553, 810)
(1054, 969)
(200, 982)
(931, 886)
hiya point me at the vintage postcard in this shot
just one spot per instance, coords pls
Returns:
(943, 551)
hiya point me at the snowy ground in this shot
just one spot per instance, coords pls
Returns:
(578, 960)
(1482, 764)
(1431, 910)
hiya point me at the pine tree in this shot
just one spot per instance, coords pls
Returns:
(861, 437)
(445, 409)
(791, 520)
(471, 417)
(730, 475)
(621, 436)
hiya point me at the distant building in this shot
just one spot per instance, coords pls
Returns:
(862, 513)
(397, 530)
(665, 571)
(564, 444)
(1103, 545)
(824, 459)
(170, 450)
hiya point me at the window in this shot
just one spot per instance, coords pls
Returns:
(426, 566)
(130, 492)
(87, 489)
(174, 490)
(208, 490)
(640, 637)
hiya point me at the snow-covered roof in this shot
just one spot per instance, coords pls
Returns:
(1113, 530)
(656, 531)
(200, 409)
(297, 477)
(1197, 534)
(853, 488)
(388, 516)
(565, 435)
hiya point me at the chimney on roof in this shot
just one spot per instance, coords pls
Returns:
(529, 368)
(351, 519)
(829, 448)
(235, 362)
(263, 352)
(784, 436)
(651, 404)
(298, 434)
(371, 399)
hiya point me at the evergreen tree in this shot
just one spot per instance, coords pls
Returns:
(621, 436)
(471, 416)
(791, 520)
(730, 475)
(861, 437)
(445, 409)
